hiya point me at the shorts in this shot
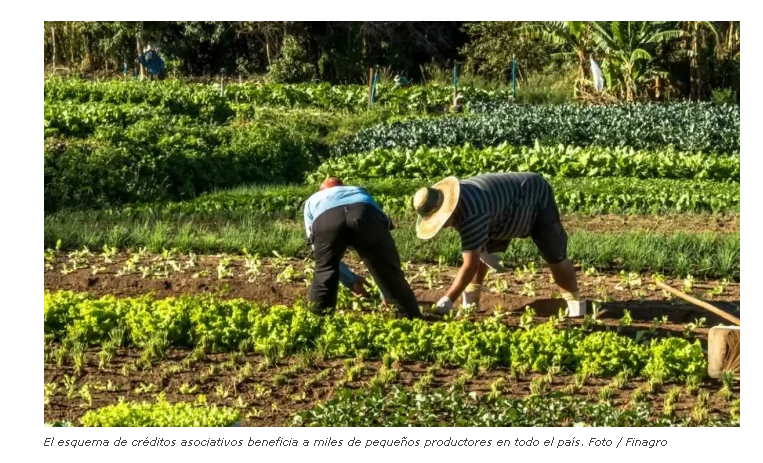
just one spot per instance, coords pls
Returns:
(547, 233)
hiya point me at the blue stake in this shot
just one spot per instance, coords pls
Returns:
(513, 77)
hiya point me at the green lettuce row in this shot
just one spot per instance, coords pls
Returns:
(220, 325)
(161, 414)
(172, 96)
(552, 161)
(687, 127)
(400, 407)
(191, 98)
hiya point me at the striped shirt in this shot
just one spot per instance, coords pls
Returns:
(499, 207)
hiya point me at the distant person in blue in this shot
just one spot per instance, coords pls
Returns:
(152, 62)
(338, 217)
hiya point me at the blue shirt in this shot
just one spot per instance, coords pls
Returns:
(336, 196)
(332, 197)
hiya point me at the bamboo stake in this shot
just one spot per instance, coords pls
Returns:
(699, 303)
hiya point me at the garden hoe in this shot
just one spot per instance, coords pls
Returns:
(723, 342)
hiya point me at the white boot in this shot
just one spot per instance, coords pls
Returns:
(471, 295)
(575, 305)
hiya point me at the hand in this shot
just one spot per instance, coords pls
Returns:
(444, 306)
(359, 289)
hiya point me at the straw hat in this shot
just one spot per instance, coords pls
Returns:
(435, 205)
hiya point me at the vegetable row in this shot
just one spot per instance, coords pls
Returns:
(226, 325)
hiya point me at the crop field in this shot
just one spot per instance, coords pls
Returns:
(176, 267)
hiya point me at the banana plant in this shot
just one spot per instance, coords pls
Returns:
(628, 46)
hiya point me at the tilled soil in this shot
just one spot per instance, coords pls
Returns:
(271, 395)
(285, 282)
(694, 223)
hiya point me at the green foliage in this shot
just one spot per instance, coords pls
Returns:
(292, 66)
(492, 45)
(95, 102)
(606, 354)
(156, 158)
(676, 358)
(221, 325)
(402, 408)
(583, 195)
(161, 414)
(687, 127)
(551, 161)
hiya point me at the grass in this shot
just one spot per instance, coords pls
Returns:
(678, 253)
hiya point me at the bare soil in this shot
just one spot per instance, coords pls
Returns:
(270, 396)
(511, 292)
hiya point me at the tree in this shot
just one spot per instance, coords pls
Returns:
(628, 46)
(573, 38)
(695, 32)
(492, 44)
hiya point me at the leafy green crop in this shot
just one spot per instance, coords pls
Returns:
(162, 158)
(161, 414)
(403, 408)
(201, 99)
(223, 325)
(587, 196)
(689, 127)
(551, 161)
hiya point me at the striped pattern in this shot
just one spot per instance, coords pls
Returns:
(499, 207)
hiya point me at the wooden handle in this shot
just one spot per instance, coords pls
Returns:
(699, 303)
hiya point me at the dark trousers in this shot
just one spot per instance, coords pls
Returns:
(366, 229)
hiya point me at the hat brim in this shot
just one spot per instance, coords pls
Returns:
(428, 227)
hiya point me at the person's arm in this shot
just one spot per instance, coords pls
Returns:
(474, 235)
(346, 276)
(308, 219)
(465, 274)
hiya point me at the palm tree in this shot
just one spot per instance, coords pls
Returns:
(628, 46)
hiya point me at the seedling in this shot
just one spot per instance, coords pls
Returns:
(688, 284)
(472, 367)
(223, 270)
(626, 320)
(221, 391)
(691, 327)
(289, 274)
(528, 289)
(727, 378)
(638, 396)
(526, 320)
(538, 385)
(50, 390)
(628, 281)
(424, 382)
(719, 288)
(459, 385)
(466, 311)
(186, 389)
(606, 392)
(692, 384)
(279, 380)
(145, 388)
(621, 380)
(84, 393)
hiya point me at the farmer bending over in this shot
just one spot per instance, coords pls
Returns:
(488, 211)
(338, 217)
